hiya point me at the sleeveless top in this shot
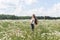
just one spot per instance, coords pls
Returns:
(32, 21)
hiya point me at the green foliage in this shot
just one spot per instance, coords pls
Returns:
(13, 17)
(21, 30)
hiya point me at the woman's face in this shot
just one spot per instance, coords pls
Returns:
(32, 16)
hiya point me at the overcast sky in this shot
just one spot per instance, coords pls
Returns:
(29, 7)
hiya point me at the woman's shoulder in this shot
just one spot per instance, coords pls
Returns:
(33, 19)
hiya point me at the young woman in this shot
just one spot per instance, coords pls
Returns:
(33, 21)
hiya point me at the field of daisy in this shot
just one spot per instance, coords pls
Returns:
(21, 30)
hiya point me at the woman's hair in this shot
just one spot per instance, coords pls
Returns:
(35, 19)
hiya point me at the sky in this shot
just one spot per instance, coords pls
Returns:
(29, 7)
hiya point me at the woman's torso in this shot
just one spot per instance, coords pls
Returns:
(32, 21)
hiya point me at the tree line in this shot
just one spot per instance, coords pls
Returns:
(13, 17)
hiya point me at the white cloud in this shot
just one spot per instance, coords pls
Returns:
(19, 9)
(30, 1)
(19, 4)
(7, 5)
(52, 11)
(37, 11)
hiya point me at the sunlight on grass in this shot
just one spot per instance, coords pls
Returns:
(21, 30)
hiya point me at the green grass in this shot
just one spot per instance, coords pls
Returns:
(21, 30)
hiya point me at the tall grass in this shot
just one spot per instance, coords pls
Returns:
(21, 30)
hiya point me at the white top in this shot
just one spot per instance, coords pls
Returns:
(32, 21)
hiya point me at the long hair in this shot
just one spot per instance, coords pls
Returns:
(35, 19)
